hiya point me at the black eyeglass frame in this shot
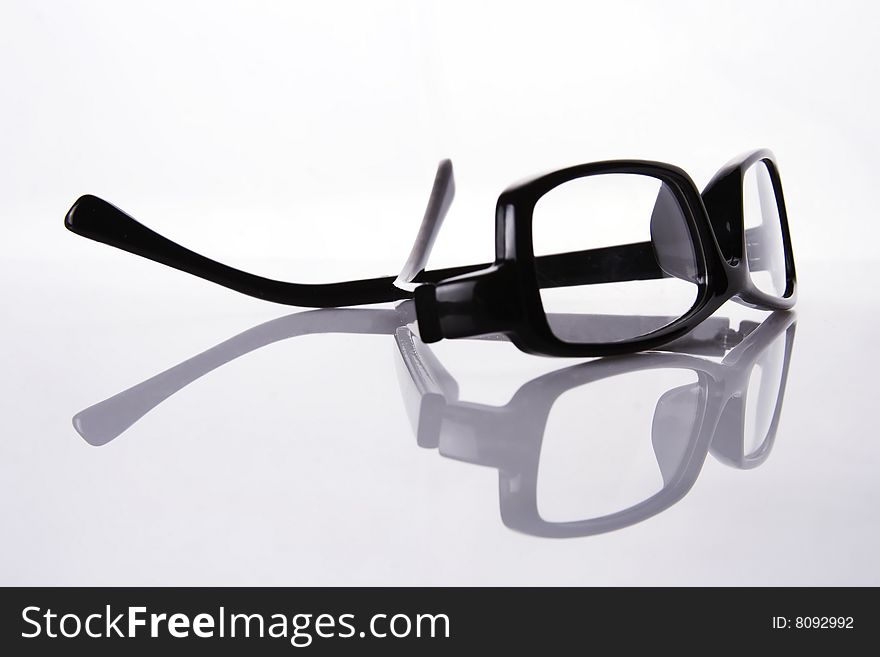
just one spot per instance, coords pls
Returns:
(505, 298)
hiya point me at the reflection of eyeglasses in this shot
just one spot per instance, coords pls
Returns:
(687, 420)
(730, 408)
(624, 238)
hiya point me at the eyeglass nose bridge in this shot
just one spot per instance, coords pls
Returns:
(478, 303)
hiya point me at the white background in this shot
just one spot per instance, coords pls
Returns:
(289, 130)
(299, 140)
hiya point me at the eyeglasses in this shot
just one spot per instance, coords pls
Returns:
(630, 240)
(679, 407)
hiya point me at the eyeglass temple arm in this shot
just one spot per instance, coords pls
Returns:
(618, 264)
(100, 221)
(442, 194)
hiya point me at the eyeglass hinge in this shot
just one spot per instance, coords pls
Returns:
(477, 303)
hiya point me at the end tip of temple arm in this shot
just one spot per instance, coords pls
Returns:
(78, 214)
(95, 218)
(82, 214)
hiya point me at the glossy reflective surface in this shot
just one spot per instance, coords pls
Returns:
(707, 413)
(226, 443)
